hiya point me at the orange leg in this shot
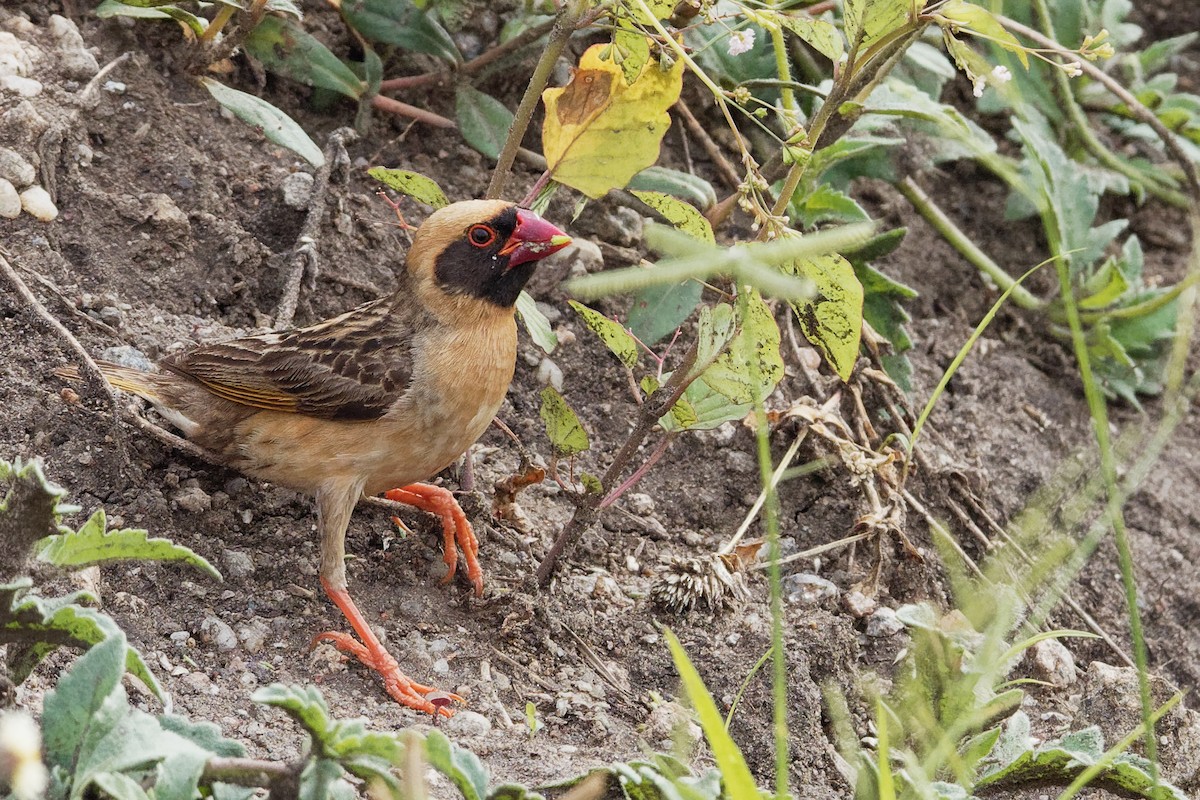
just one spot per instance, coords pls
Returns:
(371, 652)
(457, 529)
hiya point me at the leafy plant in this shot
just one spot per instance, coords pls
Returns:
(35, 626)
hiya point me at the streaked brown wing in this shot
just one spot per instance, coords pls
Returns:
(352, 367)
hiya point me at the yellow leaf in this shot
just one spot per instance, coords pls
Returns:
(833, 319)
(600, 130)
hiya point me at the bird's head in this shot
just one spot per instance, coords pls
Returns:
(485, 249)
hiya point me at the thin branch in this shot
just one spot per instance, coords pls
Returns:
(526, 37)
(95, 377)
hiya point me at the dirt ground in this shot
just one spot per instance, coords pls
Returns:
(173, 229)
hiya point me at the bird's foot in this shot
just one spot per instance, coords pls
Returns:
(372, 654)
(457, 530)
(401, 688)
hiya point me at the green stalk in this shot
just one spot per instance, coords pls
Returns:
(937, 219)
(1098, 408)
(775, 570)
(568, 17)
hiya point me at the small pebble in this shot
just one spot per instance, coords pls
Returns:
(469, 723)
(15, 168)
(858, 604)
(883, 623)
(198, 682)
(550, 374)
(1053, 662)
(297, 188)
(441, 666)
(116, 87)
(23, 87)
(10, 200)
(806, 589)
(193, 499)
(640, 503)
(37, 203)
(582, 257)
(220, 634)
(237, 564)
(180, 637)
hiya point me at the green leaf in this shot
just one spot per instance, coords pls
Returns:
(401, 23)
(683, 185)
(659, 310)
(738, 782)
(95, 738)
(630, 48)
(413, 184)
(562, 425)
(822, 36)
(483, 120)
(277, 126)
(750, 367)
(306, 705)
(659, 9)
(34, 627)
(286, 49)
(683, 216)
(980, 21)
(115, 8)
(73, 706)
(92, 544)
(825, 204)
(873, 19)
(536, 323)
(832, 321)
(612, 333)
(462, 767)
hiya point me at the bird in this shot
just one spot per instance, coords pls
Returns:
(375, 400)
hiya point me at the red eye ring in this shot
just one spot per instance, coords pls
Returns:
(481, 235)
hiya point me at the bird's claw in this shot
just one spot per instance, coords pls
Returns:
(401, 688)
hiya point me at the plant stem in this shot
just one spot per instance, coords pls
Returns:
(224, 14)
(588, 507)
(638, 473)
(1190, 170)
(1114, 505)
(412, 112)
(564, 25)
(473, 66)
(273, 775)
(937, 219)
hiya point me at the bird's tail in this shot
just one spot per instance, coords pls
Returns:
(124, 378)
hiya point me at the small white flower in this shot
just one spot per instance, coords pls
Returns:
(741, 41)
(1073, 69)
(978, 85)
(1001, 74)
(20, 756)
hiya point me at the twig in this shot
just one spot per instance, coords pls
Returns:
(729, 546)
(549, 686)
(95, 377)
(90, 89)
(526, 37)
(281, 778)
(304, 257)
(587, 508)
(405, 110)
(724, 166)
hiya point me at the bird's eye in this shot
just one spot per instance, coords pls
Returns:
(481, 235)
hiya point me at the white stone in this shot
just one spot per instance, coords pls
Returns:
(37, 203)
(15, 169)
(10, 201)
(14, 60)
(551, 374)
(24, 87)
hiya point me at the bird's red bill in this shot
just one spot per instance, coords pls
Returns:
(534, 238)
